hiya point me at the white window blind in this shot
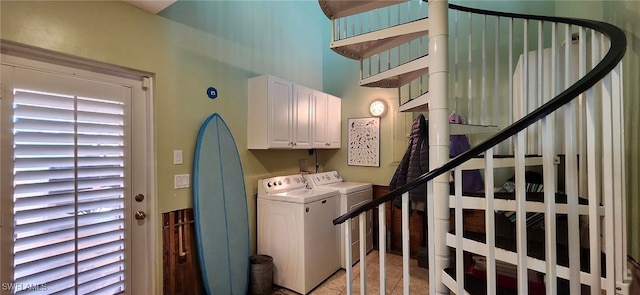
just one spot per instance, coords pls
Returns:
(69, 228)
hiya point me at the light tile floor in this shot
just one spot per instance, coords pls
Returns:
(336, 284)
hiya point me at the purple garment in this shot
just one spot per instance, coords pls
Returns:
(471, 179)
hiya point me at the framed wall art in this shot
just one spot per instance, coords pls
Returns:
(364, 142)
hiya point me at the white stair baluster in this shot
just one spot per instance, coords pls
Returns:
(470, 114)
(549, 181)
(459, 231)
(382, 246)
(593, 191)
(619, 173)
(405, 243)
(363, 251)
(571, 175)
(521, 214)
(496, 74)
(348, 255)
(483, 82)
(490, 224)
(431, 252)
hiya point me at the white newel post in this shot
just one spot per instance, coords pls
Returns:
(439, 133)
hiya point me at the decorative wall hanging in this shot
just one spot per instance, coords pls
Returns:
(364, 142)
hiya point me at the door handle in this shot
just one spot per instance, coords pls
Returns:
(139, 197)
(140, 215)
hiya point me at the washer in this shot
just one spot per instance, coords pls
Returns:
(352, 194)
(295, 227)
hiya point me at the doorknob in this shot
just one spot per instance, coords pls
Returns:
(140, 215)
(139, 197)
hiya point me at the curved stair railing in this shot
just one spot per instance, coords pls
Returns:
(562, 83)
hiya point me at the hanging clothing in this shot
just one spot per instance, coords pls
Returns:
(415, 162)
(471, 179)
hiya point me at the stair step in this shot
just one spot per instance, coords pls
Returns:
(368, 44)
(418, 104)
(462, 129)
(472, 284)
(340, 8)
(476, 203)
(561, 198)
(398, 76)
(501, 162)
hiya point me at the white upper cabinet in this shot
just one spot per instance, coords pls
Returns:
(270, 103)
(284, 115)
(327, 130)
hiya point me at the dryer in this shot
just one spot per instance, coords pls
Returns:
(352, 194)
(295, 227)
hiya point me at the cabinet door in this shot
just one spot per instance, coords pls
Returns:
(303, 102)
(280, 113)
(320, 139)
(334, 122)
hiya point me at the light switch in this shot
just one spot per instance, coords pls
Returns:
(180, 181)
(177, 157)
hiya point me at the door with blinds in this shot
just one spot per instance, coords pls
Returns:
(70, 219)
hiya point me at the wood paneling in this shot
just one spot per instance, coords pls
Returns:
(178, 254)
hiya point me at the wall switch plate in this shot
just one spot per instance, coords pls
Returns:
(180, 181)
(177, 157)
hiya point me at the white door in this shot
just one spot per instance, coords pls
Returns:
(71, 168)
(303, 101)
(280, 112)
(334, 127)
(320, 120)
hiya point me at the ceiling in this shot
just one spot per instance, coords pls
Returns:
(152, 6)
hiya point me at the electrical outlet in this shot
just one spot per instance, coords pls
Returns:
(180, 181)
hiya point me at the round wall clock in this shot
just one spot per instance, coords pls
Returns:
(377, 108)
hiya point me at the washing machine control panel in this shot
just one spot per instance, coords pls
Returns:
(325, 178)
(281, 183)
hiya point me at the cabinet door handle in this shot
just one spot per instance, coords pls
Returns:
(294, 144)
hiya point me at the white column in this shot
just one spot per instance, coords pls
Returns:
(439, 132)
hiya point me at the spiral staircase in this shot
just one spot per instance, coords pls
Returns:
(549, 91)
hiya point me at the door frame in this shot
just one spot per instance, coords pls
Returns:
(14, 54)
